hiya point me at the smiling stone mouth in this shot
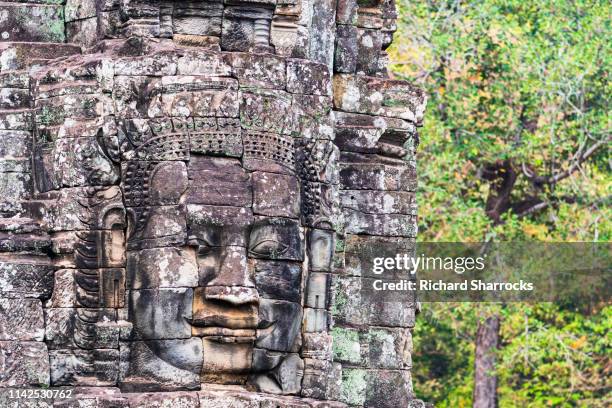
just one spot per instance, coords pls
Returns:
(225, 335)
(230, 335)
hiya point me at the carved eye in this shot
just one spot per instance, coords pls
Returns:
(269, 247)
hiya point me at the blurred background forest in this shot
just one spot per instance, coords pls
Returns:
(515, 146)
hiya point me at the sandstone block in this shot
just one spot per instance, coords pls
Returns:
(320, 249)
(161, 268)
(278, 280)
(282, 321)
(220, 181)
(307, 78)
(32, 22)
(388, 389)
(259, 70)
(164, 400)
(64, 291)
(161, 313)
(161, 365)
(84, 367)
(385, 97)
(21, 319)
(25, 279)
(276, 239)
(24, 363)
(276, 195)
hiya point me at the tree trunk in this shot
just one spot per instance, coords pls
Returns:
(485, 379)
(502, 177)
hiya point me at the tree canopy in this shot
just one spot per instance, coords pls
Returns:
(515, 146)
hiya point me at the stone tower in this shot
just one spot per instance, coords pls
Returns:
(188, 188)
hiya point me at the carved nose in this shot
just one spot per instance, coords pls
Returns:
(232, 283)
(236, 295)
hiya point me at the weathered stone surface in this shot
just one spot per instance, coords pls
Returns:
(222, 314)
(387, 389)
(83, 32)
(214, 399)
(320, 249)
(84, 367)
(161, 268)
(98, 397)
(224, 267)
(276, 238)
(321, 34)
(23, 54)
(32, 22)
(259, 70)
(347, 304)
(21, 319)
(285, 378)
(14, 187)
(163, 226)
(24, 363)
(14, 98)
(375, 96)
(79, 9)
(307, 78)
(360, 251)
(221, 358)
(80, 209)
(16, 120)
(383, 202)
(317, 346)
(279, 324)
(161, 313)
(354, 386)
(76, 162)
(278, 280)
(347, 347)
(394, 225)
(219, 226)
(275, 195)
(168, 182)
(345, 55)
(64, 290)
(389, 348)
(27, 279)
(14, 143)
(164, 400)
(375, 176)
(211, 176)
(265, 110)
(161, 365)
(154, 65)
(375, 347)
(321, 379)
(221, 181)
(71, 328)
(200, 62)
(315, 320)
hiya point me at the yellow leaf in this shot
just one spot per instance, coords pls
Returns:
(535, 230)
(579, 343)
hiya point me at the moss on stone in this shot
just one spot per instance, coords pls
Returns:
(346, 347)
(353, 388)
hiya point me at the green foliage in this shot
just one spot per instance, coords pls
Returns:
(525, 83)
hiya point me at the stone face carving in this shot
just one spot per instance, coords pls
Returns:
(187, 192)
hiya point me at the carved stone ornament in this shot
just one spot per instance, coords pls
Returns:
(183, 186)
